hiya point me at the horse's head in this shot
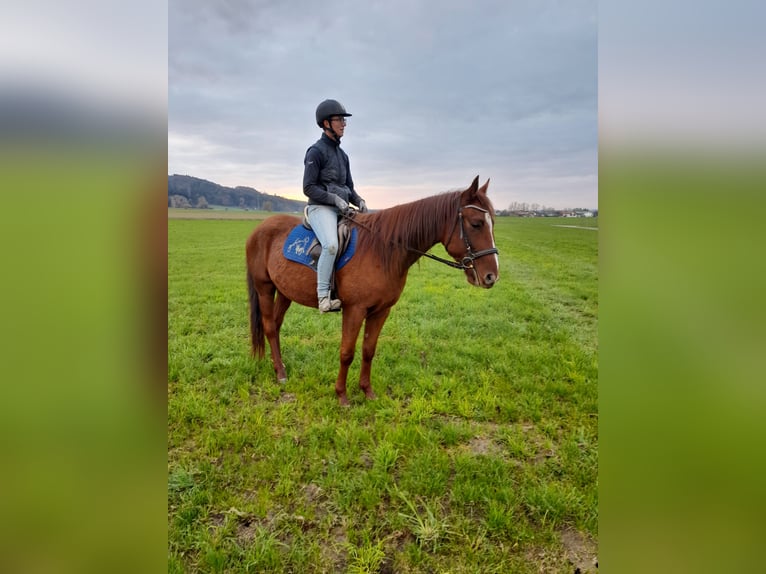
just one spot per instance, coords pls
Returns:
(472, 239)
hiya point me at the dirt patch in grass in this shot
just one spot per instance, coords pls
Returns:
(335, 553)
(313, 493)
(580, 550)
(542, 445)
(316, 499)
(246, 532)
(287, 398)
(482, 445)
(395, 544)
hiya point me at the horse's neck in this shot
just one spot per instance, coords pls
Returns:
(416, 227)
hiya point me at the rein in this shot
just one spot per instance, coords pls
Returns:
(464, 264)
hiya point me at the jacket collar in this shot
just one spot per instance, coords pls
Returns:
(328, 140)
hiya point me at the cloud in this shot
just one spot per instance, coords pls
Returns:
(438, 92)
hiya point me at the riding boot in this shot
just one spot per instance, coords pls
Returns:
(328, 305)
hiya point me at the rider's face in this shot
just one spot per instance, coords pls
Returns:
(338, 124)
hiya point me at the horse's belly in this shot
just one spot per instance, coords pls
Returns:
(295, 281)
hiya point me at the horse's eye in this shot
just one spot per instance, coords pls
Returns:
(477, 225)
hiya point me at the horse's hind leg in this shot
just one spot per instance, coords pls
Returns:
(273, 313)
(281, 305)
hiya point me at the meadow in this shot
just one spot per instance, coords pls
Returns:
(479, 455)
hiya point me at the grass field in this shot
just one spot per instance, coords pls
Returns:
(480, 454)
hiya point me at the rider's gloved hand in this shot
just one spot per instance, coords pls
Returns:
(362, 206)
(340, 203)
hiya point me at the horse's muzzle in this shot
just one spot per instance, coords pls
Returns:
(486, 281)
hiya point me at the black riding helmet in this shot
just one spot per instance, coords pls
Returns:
(329, 108)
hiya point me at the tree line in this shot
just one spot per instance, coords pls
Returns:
(186, 191)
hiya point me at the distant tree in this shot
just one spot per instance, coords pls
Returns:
(179, 201)
(202, 203)
(268, 206)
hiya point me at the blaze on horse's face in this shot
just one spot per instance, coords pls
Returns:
(472, 241)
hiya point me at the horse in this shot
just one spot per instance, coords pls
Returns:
(389, 242)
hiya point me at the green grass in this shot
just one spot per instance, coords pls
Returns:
(478, 456)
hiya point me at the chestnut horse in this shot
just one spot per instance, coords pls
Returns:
(389, 242)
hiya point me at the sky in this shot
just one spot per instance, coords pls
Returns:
(439, 93)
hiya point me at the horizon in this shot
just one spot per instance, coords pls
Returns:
(302, 198)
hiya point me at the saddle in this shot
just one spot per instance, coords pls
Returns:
(302, 246)
(344, 236)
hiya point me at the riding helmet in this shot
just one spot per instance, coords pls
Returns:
(329, 108)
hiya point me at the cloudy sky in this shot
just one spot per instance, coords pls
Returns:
(439, 91)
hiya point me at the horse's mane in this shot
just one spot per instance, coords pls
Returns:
(414, 225)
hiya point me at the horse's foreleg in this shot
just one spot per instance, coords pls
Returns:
(372, 329)
(272, 314)
(352, 323)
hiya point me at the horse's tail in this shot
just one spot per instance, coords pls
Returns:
(257, 337)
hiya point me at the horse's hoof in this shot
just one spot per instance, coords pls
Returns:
(370, 395)
(343, 401)
(282, 381)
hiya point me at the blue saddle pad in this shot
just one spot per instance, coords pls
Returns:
(297, 245)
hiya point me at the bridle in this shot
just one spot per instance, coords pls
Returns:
(466, 262)
(471, 255)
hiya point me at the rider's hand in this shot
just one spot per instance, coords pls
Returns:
(362, 206)
(340, 203)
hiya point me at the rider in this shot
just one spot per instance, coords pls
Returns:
(328, 185)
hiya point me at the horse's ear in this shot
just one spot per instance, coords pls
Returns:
(470, 193)
(483, 188)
